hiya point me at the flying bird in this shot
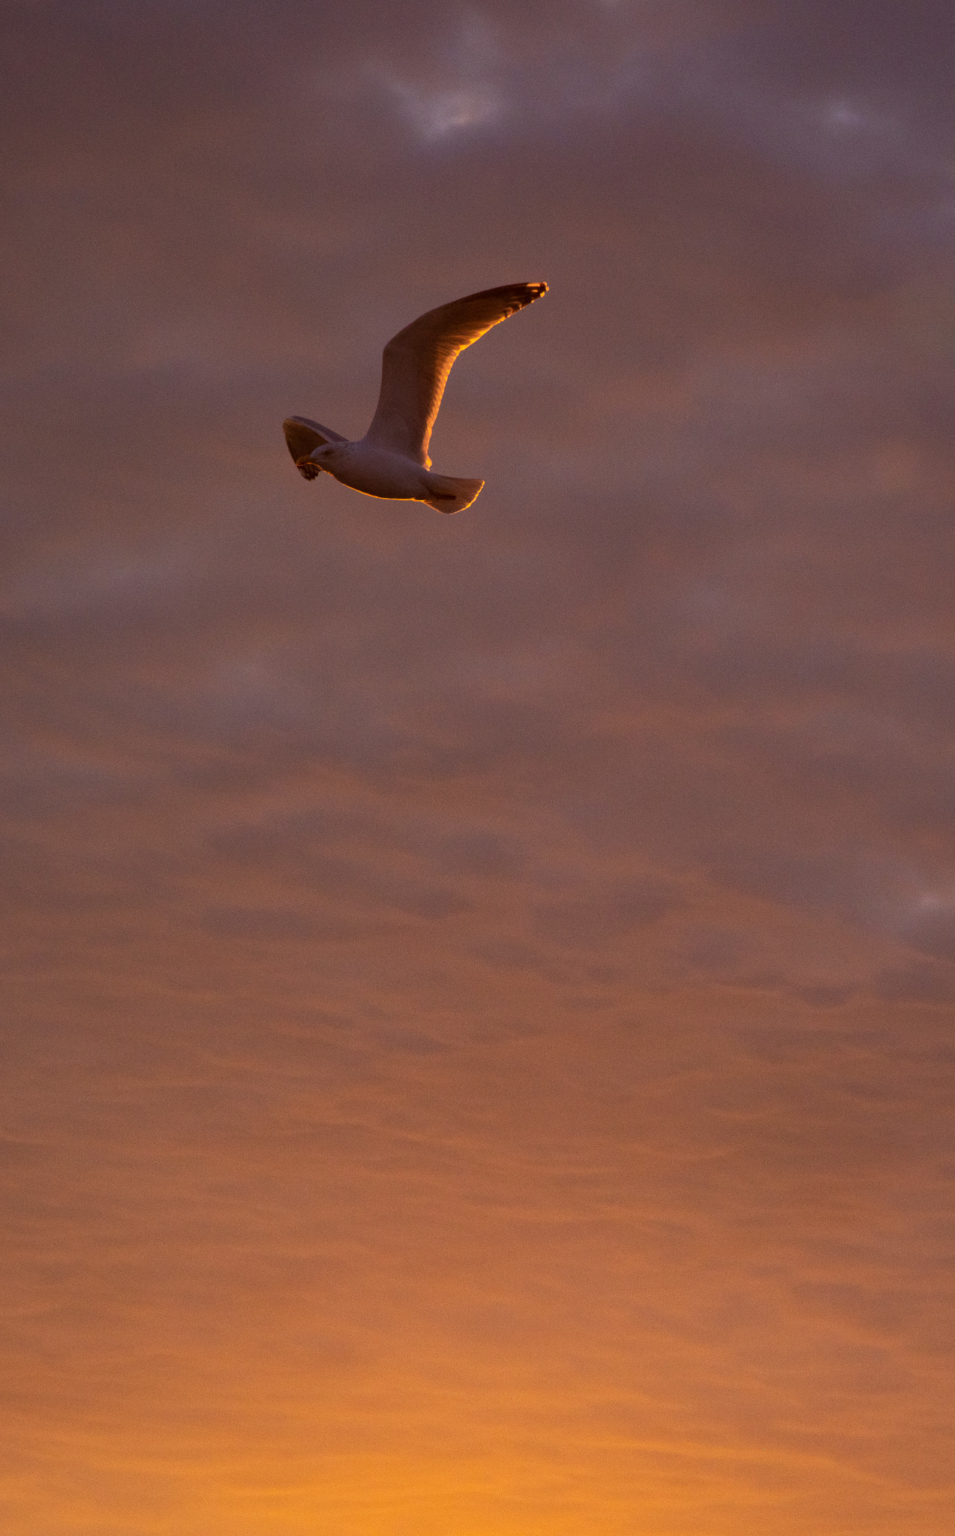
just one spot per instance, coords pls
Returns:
(391, 460)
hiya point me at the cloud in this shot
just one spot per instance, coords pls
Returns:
(479, 988)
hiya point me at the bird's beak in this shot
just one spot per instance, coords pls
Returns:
(307, 467)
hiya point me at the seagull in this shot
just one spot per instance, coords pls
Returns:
(391, 460)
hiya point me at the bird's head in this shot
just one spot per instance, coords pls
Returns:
(312, 464)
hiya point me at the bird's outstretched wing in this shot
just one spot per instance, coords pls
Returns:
(417, 362)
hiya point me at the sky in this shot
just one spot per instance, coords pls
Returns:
(479, 991)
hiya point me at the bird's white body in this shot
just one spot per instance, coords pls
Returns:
(377, 471)
(391, 461)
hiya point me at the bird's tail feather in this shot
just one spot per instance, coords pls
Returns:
(450, 494)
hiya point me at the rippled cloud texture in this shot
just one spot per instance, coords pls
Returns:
(479, 991)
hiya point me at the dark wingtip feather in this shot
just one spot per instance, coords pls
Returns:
(517, 294)
(526, 293)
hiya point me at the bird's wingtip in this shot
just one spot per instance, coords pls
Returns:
(522, 294)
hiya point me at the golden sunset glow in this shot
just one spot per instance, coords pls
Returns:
(478, 991)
